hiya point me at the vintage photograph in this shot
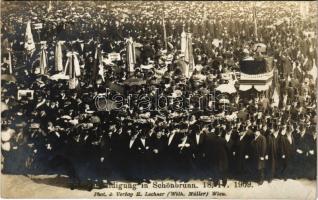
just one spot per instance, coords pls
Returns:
(159, 99)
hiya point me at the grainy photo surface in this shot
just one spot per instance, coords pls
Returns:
(158, 100)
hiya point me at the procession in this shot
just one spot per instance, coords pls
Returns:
(140, 91)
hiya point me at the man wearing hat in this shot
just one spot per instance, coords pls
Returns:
(230, 135)
(216, 155)
(302, 141)
(134, 156)
(243, 157)
(286, 151)
(312, 155)
(271, 151)
(259, 152)
(171, 151)
(157, 140)
(198, 137)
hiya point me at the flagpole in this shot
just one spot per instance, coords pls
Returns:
(49, 8)
(164, 33)
(255, 20)
(10, 62)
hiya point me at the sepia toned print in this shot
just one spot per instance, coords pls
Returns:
(171, 99)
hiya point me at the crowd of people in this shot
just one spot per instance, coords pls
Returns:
(259, 136)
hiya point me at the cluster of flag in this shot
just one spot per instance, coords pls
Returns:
(187, 53)
(71, 70)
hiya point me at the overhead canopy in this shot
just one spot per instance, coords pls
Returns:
(259, 88)
(245, 87)
(226, 88)
(253, 66)
(256, 65)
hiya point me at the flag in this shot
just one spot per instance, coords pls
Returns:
(72, 68)
(58, 57)
(6, 54)
(313, 72)
(131, 56)
(10, 63)
(275, 98)
(49, 7)
(43, 61)
(29, 44)
(183, 41)
(98, 65)
(188, 55)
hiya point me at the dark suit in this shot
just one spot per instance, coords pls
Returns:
(134, 159)
(312, 159)
(184, 161)
(244, 163)
(171, 155)
(119, 153)
(286, 152)
(145, 153)
(302, 148)
(216, 155)
(271, 155)
(259, 152)
(157, 148)
(198, 154)
(105, 152)
(231, 149)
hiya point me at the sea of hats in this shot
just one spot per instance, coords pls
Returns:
(247, 135)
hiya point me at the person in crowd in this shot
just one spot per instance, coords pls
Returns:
(244, 151)
(259, 153)
(271, 152)
(286, 151)
(232, 136)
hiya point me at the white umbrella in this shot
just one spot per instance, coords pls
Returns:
(261, 46)
(226, 88)
(226, 101)
(59, 76)
(4, 107)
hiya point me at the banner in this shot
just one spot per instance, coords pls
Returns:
(114, 56)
